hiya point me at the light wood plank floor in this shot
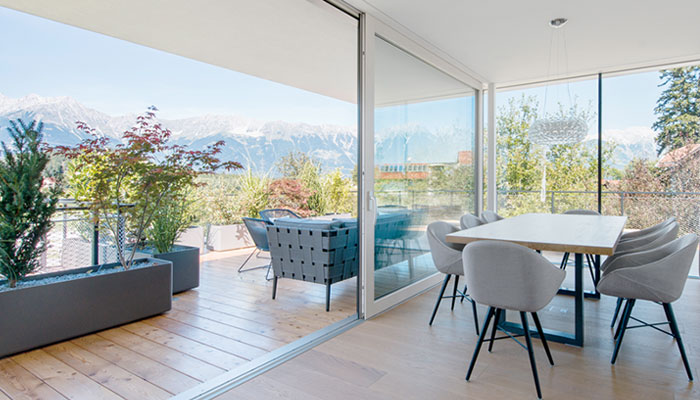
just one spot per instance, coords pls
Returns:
(227, 321)
(398, 356)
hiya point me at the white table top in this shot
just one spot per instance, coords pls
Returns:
(588, 234)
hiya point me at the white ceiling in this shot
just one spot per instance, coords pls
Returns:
(507, 41)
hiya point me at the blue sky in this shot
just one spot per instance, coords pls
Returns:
(118, 77)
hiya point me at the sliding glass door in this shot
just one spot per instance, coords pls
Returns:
(422, 156)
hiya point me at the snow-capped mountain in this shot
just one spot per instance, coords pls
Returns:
(256, 144)
(630, 143)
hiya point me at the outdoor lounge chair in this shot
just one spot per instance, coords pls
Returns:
(323, 252)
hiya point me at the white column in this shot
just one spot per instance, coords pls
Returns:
(491, 178)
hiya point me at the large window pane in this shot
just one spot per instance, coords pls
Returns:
(424, 142)
(537, 178)
(651, 127)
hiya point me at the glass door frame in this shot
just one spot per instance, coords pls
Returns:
(369, 29)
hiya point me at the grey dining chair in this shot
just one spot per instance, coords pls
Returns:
(257, 228)
(590, 259)
(448, 260)
(656, 238)
(507, 276)
(467, 221)
(488, 216)
(643, 232)
(656, 275)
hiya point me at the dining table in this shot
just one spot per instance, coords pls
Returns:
(595, 235)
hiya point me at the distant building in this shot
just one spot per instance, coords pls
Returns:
(679, 157)
(420, 171)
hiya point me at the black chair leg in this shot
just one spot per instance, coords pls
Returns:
(530, 352)
(677, 334)
(564, 261)
(442, 293)
(454, 292)
(274, 287)
(476, 316)
(494, 328)
(484, 329)
(463, 297)
(540, 332)
(625, 320)
(617, 311)
(328, 296)
(240, 269)
(619, 324)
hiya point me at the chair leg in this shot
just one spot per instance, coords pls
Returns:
(476, 316)
(617, 311)
(540, 332)
(677, 334)
(494, 327)
(463, 297)
(564, 261)
(240, 269)
(624, 321)
(442, 292)
(454, 292)
(328, 296)
(589, 260)
(484, 329)
(274, 287)
(530, 352)
(619, 324)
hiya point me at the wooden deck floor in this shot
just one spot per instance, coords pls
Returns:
(398, 356)
(227, 321)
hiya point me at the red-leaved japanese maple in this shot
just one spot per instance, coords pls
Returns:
(134, 176)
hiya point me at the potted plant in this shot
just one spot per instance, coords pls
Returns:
(64, 304)
(174, 216)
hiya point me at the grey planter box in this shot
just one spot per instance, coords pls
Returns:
(185, 261)
(39, 315)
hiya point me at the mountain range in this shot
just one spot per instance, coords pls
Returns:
(255, 144)
(259, 144)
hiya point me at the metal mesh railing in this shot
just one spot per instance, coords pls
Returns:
(75, 240)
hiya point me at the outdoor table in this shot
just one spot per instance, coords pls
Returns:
(579, 234)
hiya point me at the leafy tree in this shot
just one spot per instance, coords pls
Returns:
(25, 207)
(337, 192)
(293, 164)
(678, 108)
(136, 176)
(170, 220)
(290, 194)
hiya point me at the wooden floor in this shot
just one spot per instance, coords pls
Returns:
(227, 321)
(398, 356)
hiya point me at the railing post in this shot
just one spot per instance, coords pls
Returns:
(622, 203)
(552, 201)
(96, 240)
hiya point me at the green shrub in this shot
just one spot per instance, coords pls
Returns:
(25, 207)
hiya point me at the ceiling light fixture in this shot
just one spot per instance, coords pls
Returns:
(565, 126)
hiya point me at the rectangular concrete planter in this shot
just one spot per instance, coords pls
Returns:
(39, 315)
(229, 237)
(195, 237)
(185, 261)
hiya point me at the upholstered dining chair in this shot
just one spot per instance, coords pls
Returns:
(507, 276)
(656, 275)
(467, 221)
(658, 237)
(643, 232)
(257, 228)
(448, 260)
(590, 259)
(488, 216)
